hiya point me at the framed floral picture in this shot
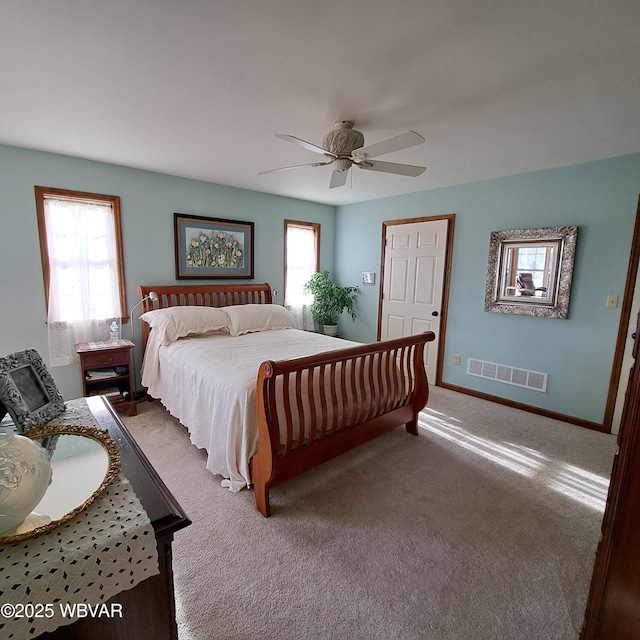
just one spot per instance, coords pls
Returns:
(212, 248)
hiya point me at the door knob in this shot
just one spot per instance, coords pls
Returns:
(434, 313)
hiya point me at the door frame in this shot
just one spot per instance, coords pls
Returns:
(623, 328)
(450, 218)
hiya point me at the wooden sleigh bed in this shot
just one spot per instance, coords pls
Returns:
(310, 408)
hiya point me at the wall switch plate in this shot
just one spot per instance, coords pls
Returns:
(368, 277)
(612, 302)
(456, 359)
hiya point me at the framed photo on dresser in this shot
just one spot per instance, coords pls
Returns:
(27, 390)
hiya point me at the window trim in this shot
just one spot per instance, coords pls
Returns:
(315, 227)
(41, 193)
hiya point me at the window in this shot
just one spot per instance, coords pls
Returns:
(82, 266)
(301, 259)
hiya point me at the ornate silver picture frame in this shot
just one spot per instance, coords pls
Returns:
(530, 271)
(27, 390)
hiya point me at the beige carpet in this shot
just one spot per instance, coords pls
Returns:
(484, 527)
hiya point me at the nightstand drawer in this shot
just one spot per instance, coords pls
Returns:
(105, 368)
(106, 359)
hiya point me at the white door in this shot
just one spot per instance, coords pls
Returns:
(414, 263)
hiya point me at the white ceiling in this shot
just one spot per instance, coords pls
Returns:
(198, 88)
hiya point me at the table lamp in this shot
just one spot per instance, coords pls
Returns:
(153, 296)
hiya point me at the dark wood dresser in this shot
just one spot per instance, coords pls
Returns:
(149, 608)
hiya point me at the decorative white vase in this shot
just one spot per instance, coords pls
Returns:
(330, 329)
(25, 474)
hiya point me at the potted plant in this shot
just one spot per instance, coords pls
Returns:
(330, 300)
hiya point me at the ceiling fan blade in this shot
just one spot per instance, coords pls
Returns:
(305, 145)
(338, 178)
(297, 166)
(392, 167)
(395, 143)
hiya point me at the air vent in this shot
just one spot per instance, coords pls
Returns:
(509, 375)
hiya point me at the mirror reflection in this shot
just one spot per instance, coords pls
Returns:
(79, 465)
(84, 460)
(529, 272)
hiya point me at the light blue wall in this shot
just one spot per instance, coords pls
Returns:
(601, 198)
(148, 201)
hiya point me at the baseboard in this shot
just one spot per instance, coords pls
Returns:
(594, 426)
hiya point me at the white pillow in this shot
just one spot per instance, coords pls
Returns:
(177, 322)
(246, 318)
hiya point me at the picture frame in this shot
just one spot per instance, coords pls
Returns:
(212, 248)
(27, 390)
(548, 253)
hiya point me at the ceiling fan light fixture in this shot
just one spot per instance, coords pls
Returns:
(342, 164)
(343, 138)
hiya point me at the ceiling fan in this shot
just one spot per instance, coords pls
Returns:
(343, 147)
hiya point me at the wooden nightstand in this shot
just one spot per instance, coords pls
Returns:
(105, 368)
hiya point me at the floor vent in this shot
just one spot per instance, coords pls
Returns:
(509, 375)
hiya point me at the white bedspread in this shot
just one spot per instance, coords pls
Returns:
(209, 384)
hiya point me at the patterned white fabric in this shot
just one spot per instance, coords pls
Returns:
(76, 414)
(209, 383)
(108, 548)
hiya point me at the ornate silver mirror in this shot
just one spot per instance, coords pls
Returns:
(71, 465)
(530, 271)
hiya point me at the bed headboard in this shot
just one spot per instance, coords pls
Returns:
(208, 295)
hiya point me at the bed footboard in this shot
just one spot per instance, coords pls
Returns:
(312, 409)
